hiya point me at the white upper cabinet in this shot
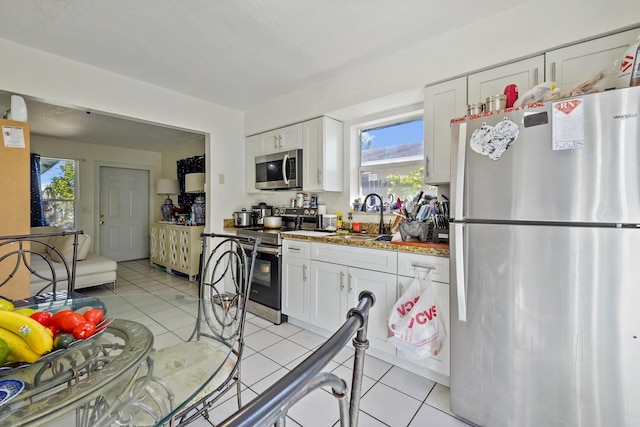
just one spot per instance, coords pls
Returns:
(282, 139)
(251, 151)
(322, 155)
(442, 102)
(525, 74)
(571, 65)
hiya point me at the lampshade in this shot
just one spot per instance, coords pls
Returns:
(194, 183)
(167, 186)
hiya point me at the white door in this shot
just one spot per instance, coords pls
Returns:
(124, 213)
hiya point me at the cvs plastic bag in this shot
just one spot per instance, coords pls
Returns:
(415, 324)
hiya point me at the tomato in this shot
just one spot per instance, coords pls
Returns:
(94, 315)
(55, 320)
(84, 331)
(54, 329)
(62, 340)
(42, 317)
(70, 321)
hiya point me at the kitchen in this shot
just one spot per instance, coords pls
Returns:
(405, 87)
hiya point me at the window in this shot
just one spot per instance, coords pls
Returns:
(58, 185)
(392, 160)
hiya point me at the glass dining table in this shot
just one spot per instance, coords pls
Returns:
(117, 377)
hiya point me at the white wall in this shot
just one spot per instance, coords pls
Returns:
(60, 81)
(530, 28)
(394, 83)
(90, 157)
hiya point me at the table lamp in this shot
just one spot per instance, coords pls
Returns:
(168, 187)
(194, 183)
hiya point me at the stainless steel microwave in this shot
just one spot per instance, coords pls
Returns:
(279, 171)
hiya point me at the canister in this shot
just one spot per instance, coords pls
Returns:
(495, 102)
(475, 109)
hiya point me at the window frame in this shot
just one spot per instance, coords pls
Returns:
(383, 121)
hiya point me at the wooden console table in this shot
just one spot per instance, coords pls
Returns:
(176, 247)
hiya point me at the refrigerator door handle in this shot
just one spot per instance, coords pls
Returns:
(460, 172)
(460, 276)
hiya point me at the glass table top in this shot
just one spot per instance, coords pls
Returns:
(118, 374)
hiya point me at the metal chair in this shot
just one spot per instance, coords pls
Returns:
(17, 255)
(226, 272)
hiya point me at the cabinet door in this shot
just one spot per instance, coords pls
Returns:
(442, 102)
(290, 137)
(282, 139)
(322, 154)
(251, 151)
(295, 287)
(569, 66)
(525, 74)
(328, 282)
(383, 286)
(439, 363)
(268, 142)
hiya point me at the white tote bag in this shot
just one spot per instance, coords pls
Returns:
(415, 324)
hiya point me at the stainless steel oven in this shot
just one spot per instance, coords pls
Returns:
(265, 298)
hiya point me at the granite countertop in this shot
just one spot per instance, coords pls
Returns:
(414, 246)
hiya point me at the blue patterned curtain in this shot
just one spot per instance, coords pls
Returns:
(185, 166)
(37, 211)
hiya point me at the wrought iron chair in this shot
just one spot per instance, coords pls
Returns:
(225, 279)
(17, 255)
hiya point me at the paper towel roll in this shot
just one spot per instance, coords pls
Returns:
(322, 209)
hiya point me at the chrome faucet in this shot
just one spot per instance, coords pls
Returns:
(364, 209)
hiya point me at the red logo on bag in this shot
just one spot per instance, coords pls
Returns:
(626, 63)
(407, 306)
(423, 317)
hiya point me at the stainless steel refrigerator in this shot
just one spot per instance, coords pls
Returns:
(545, 264)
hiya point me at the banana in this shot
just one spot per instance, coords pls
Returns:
(36, 335)
(20, 351)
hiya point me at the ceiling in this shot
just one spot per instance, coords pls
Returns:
(239, 54)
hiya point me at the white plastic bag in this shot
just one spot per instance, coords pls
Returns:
(415, 325)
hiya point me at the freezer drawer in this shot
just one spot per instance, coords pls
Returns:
(552, 329)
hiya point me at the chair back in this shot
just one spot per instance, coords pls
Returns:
(226, 273)
(21, 263)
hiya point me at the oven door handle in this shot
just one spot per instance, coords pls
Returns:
(261, 249)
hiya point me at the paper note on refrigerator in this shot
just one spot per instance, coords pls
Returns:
(13, 136)
(567, 124)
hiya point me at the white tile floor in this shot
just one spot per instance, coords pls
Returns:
(391, 396)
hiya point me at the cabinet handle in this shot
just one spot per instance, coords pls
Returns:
(341, 281)
(275, 142)
(553, 71)
(294, 249)
(535, 76)
(319, 176)
(350, 288)
(304, 272)
(280, 141)
(426, 168)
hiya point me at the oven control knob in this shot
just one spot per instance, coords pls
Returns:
(306, 212)
(276, 211)
(312, 212)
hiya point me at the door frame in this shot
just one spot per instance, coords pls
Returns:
(96, 199)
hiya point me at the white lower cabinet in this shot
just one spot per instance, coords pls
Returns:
(407, 265)
(295, 279)
(335, 290)
(322, 282)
